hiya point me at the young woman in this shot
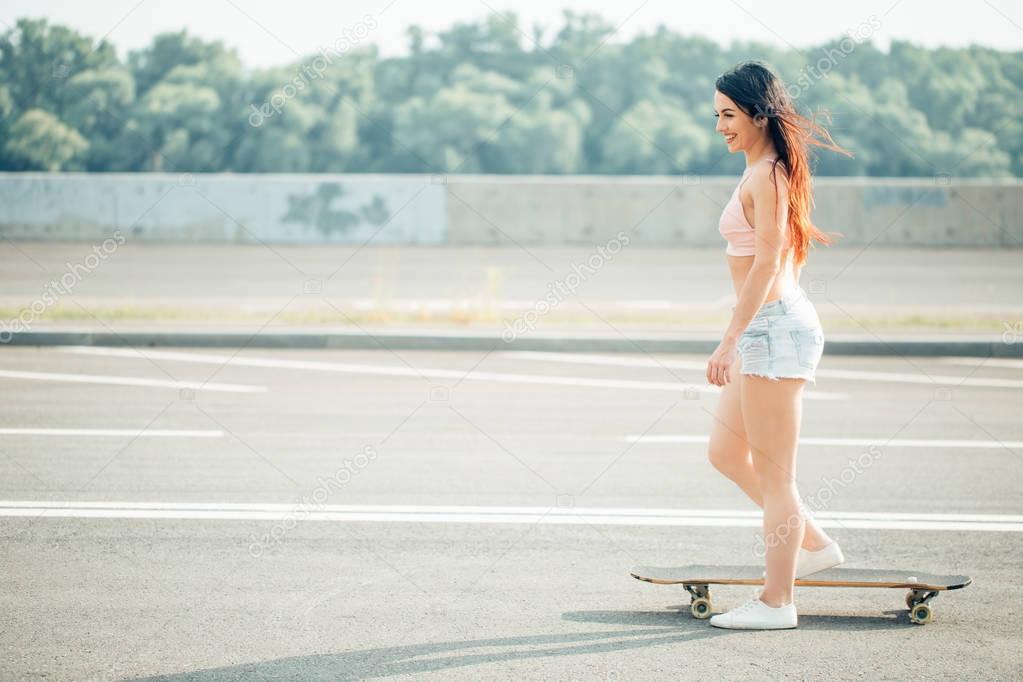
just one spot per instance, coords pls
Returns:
(775, 332)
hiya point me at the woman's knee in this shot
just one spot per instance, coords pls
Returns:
(728, 461)
(773, 478)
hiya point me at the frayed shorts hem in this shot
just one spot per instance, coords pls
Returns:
(809, 379)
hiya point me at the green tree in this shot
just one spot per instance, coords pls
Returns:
(37, 60)
(39, 141)
(179, 121)
(493, 96)
(656, 138)
(97, 103)
(452, 130)
(168, 52)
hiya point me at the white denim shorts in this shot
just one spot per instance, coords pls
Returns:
(784, 339)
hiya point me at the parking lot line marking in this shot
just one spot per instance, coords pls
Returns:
(497, 515)
(129, 381)
(384, 370)
(105, 433)
(880, 442)
(852, 374)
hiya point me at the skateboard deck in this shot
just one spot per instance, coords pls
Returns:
(696, 579)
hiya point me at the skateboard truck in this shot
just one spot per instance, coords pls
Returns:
(700, 605)
(917, 601)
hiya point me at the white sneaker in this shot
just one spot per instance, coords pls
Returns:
(824, 558)
(808, 563)
(756, 615)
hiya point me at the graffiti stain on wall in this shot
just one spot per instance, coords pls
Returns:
(318, 210)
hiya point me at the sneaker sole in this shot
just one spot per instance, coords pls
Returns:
(778, 627)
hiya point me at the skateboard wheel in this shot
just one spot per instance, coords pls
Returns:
(910, 601)
(700, 608)
(920, 614)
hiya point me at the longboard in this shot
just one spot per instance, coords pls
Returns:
(696, 579)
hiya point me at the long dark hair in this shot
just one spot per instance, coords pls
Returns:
(759, 91)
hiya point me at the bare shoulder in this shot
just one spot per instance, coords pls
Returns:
(769, 180)
(762, 173)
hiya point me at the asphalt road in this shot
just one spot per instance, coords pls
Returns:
(254, 514)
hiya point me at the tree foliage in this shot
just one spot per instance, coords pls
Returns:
(491, 97)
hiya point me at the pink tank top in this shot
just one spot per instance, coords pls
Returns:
(733, 225)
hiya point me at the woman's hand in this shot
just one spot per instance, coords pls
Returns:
(719, 367)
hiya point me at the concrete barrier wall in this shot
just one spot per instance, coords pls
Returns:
(215, 208)
(491, 210)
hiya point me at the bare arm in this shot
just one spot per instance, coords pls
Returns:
(770, 213)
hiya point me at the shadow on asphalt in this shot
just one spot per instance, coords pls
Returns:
(655, 629)
(677, 616)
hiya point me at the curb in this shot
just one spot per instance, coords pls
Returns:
(992, 345)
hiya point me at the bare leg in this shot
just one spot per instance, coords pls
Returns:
(729, 452)
(772, 413)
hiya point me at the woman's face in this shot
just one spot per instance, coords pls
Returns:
(734, 124)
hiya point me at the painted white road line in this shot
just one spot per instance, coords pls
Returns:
(385, 370)
(494, 515)
(504, 510)
(1008, 363)
(129, 381)
(919, 378)
(696, 365)
(118, 433)
(879, 442)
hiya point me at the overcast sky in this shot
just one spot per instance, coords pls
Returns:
(269, 33)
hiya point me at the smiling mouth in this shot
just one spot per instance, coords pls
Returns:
(731, 139)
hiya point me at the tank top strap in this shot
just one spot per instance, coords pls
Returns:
(745, 173)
